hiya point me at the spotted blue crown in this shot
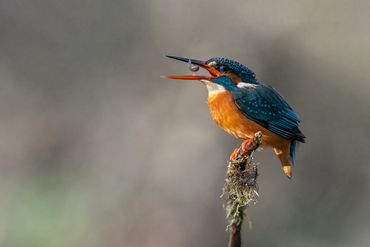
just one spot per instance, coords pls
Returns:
(245, 74)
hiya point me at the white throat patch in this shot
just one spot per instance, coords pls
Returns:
(213, 88)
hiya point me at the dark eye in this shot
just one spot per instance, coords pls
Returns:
(222, 68)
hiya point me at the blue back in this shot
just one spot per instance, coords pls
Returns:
(268, 108)
(262, 104)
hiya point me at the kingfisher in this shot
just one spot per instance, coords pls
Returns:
(242, 105)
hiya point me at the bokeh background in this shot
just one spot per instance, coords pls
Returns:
(97, 150)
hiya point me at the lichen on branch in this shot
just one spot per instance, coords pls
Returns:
(240, 188)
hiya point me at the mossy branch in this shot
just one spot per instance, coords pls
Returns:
(240, 189)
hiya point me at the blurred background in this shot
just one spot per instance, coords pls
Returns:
(97, 150)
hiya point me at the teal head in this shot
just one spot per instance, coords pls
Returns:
(236, 71)
(224, 74)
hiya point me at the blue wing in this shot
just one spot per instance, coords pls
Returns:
(262, 104)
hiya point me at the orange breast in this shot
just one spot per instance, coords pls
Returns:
(226, 114)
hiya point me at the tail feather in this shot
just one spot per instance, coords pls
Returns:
(286, 156)
(285, 160)
(293, 146)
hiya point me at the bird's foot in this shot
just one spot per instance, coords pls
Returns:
(234, 153)
(244, 146)
(242, 149)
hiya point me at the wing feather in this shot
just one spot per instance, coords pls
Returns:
(262, 104)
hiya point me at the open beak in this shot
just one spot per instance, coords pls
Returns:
(212, 71)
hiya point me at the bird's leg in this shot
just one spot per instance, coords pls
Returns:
(242, 149)
(244, 146)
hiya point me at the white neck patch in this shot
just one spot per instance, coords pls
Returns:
(246, 85)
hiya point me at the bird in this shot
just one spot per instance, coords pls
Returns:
(242, 105)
